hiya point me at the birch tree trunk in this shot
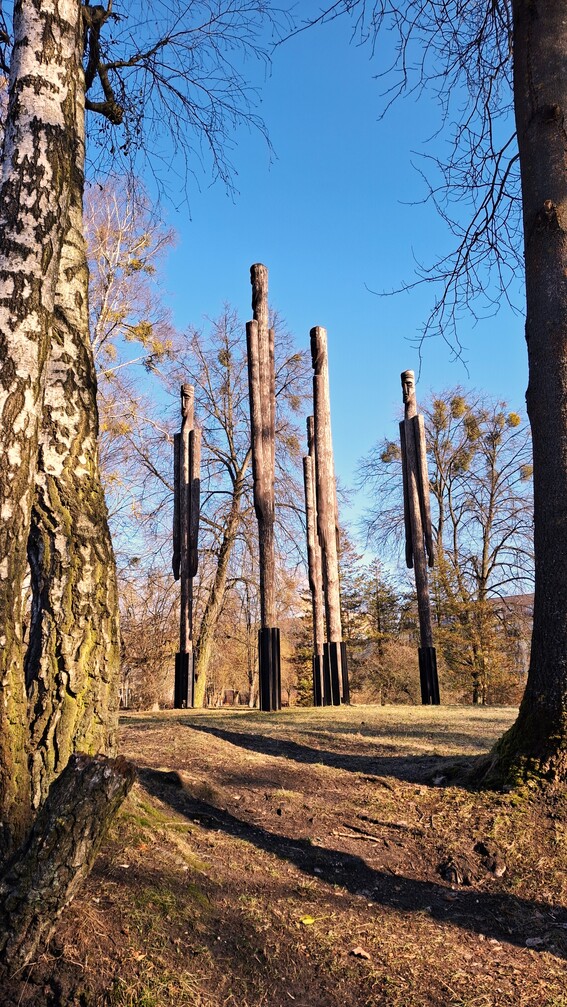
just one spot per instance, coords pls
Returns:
(62, 695)
(43, 147)
(72, 663)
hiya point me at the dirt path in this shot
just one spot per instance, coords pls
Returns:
(323, 859)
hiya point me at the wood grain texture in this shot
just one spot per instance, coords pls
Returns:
(415, 507)
(261, 382)
(327, 518)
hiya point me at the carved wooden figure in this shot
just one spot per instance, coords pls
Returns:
(187, 489)
(314, 568)
(419, 539)
(335, 676)
(261, 383)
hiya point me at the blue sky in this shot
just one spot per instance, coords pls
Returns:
(329, 216)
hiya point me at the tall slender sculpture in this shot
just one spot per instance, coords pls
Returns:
(335, 676)
(186, 504)
(321, 686)
(262, 389)
(419, 539)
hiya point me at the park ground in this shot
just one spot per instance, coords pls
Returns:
(318, 858)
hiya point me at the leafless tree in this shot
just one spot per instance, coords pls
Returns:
(498, 71)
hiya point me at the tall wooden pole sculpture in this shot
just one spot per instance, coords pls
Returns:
(335, 676)
(186, 503)
(262, 389)
(419, 539)
(321, 696)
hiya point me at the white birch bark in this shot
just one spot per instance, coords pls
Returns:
(41, 146)
(72, 663)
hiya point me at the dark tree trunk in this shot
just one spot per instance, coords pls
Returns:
(537, 743)
(46, 872)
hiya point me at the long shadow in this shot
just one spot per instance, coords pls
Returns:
(410, 768)
(498, 915)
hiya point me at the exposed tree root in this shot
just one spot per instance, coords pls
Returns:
(45, 873)
(522, 757)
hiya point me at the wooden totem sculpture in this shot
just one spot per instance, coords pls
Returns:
(419, 539)
(262, 393)
(314, 565)
(186, 503)
(335, 672)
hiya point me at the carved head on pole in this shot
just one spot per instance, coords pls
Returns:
(187, 392)
(318, 339)
(408, 391)
(259, 281)
(310, 433)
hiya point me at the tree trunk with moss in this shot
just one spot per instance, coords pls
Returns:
(72, 660)
(60, 696)
(537, 743)
(42, 145)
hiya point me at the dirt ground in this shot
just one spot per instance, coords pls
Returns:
(317, 858)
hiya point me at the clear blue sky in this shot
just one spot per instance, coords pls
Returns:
(327, 217)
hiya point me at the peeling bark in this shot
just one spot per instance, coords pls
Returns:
(72, 663)
(41, 145)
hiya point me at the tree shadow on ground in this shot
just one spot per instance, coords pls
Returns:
(430, 723)
(501, 916)
(408, 768)
(202, 920)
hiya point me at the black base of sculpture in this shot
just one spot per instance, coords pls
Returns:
(317, 664)
(183, 688)
(335, 674)
(270, 671)
(344, 674)
(428, 676)
(327, 697)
